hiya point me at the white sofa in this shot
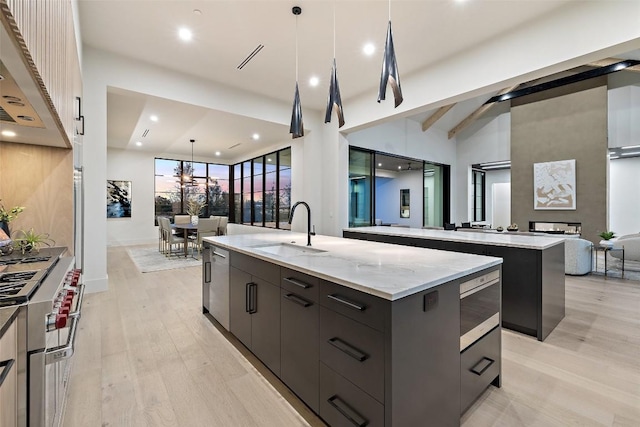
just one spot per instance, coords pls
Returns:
(631, 245)
(577, 256)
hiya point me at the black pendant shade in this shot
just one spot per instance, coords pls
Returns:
(390, 71)
(297, 128)
(334, 98)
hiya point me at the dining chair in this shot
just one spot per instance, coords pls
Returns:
(170, 238)
(181, 219)
(222, 227)
(206, 227)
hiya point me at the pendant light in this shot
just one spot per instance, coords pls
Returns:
(390, 69)
(334, 88)
(297, 128)
(192, 180)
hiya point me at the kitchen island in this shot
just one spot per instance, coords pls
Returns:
(533, 290)
(364, 333)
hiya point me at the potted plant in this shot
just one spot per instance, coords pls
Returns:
(6, 216)
(194, 207)
(606, 236)
(29, 241)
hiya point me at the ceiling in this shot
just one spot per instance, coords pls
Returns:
(225, 32)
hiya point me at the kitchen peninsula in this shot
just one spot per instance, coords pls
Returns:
(364, 333)
(533, 290)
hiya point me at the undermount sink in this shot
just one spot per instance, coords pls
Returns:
(287, 249)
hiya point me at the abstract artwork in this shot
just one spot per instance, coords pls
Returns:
(554, 185)
(118, 199)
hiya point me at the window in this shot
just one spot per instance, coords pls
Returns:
(262, 190)
(479, 197)
(173, 187)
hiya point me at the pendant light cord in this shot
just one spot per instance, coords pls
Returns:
(334, 29)
(296, 49)
(389, 10)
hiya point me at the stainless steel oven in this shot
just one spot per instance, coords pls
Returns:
(47, 293)
(480, 300)
(53, 316)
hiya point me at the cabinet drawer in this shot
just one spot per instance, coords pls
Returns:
(359, 306)
(479, 366)
(301, 284)
(256, 267)
(354, 350)
(344, 405)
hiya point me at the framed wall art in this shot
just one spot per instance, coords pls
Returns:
(118, 199)
(554, 185)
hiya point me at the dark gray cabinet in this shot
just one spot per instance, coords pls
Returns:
(533, 288)
(299, 335)
(479, 367)
(254, 302)
(352, 357)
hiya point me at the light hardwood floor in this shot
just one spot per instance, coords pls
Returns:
(147, 356)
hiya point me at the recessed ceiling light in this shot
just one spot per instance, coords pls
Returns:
(379, 164)
(268, 159)
(314, 81)
(217, 153)
(399, 167)
(154, 118)
(255, 136)
(369, 49)
(185, 34)
(8, 133)
(138, 143)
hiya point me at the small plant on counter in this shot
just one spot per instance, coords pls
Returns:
(499, 228)
(607, 235)
(11, 214)
(28, 241)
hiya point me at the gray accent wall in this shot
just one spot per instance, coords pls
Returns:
(562, 124)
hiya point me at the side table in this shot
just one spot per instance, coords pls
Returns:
(606, 250)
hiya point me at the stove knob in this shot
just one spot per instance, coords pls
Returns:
(65, 309)
(61, 321)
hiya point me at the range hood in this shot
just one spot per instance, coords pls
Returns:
(24, 110)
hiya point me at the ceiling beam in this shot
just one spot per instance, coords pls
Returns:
(477, 113)
(609, 61)
(429, 121)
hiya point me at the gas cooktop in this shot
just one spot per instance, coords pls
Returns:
(20, 275)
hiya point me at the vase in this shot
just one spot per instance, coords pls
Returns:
(606, 243)
(194, 219)
(4, 225)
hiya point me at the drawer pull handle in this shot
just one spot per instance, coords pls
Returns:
(6, 365)
(350, 304)
(297, 282)
(219, 254)
(482, 366)
(348, 349)
(347, 411)
(298, 300)
(207, 272)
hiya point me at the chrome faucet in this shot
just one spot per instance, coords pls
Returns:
(309, 232)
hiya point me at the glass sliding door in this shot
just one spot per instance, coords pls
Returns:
(479, 195)
(258, 191)
(434, 195)
(360, 187)
(284, 188)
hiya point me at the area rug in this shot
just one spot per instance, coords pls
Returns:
(148, 259)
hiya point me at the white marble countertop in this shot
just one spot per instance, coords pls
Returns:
(505, 238)
(387, 271)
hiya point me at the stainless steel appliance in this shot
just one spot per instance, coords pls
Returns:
(479, 307)
(215, 283)
(49, 293)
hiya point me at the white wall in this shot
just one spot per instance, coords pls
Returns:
(388, 198)
(624, 196)
(624, 109)
(496, 177)
(501, 201)
(487, 140)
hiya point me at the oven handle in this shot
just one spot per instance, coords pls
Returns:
(62, 352)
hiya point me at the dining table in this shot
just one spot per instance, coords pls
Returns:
(186, 228)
